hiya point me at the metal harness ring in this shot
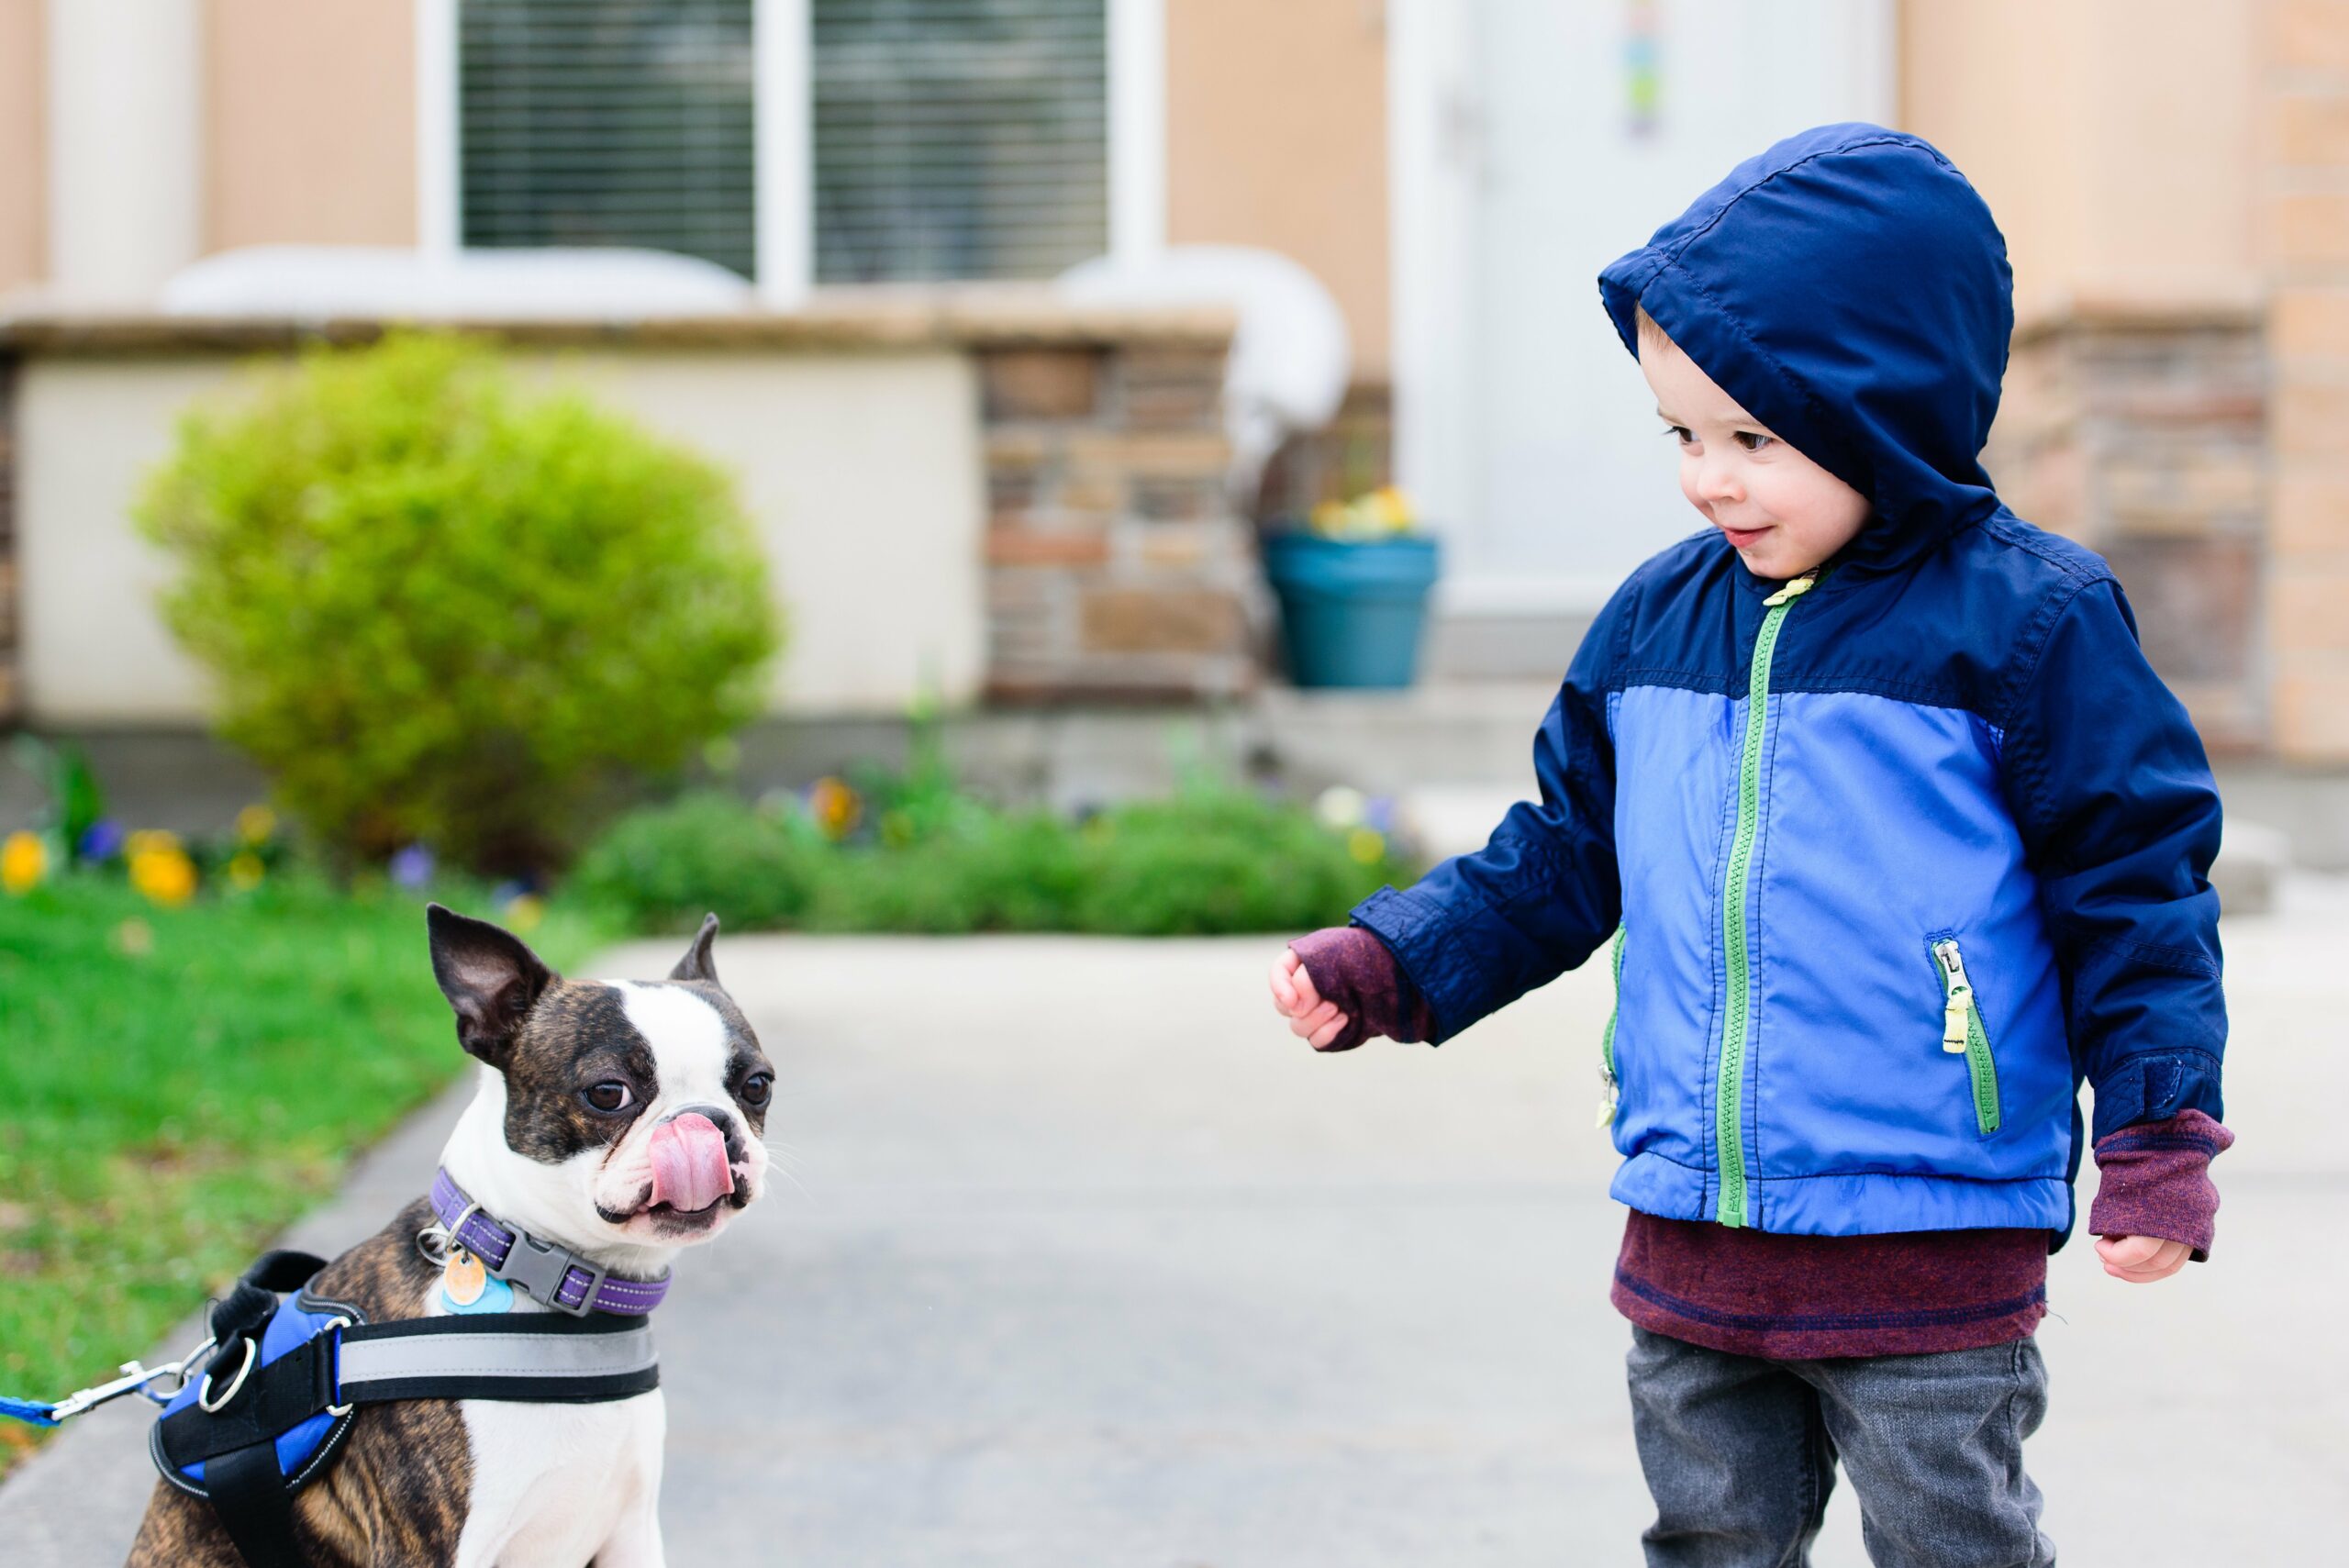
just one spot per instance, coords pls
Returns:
(204, 1389)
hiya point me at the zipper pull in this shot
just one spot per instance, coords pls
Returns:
(1960, 992)
(1608, 1095)
(1795, 589)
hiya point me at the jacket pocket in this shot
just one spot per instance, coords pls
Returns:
(1610, 1089)
(1963, 1033)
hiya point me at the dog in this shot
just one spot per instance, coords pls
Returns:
(621, 1120)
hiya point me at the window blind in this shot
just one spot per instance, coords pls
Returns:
(958, 138)
(608, 123)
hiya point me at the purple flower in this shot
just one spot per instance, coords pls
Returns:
(412, 867)
(101, 841)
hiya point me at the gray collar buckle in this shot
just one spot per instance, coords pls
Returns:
(540, 1269)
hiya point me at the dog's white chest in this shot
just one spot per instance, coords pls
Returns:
(560, 1485)
(553, 1483)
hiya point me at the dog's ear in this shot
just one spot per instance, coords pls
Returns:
(490, 978)
(697, 964)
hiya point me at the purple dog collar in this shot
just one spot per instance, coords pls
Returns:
(554, 1276)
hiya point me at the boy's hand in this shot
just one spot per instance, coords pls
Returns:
(1311, 1018)
(2141, 1260)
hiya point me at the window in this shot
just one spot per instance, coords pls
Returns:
(940, 139)
(959, 138)
(608, 123)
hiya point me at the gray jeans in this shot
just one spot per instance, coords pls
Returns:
(1741, 1454)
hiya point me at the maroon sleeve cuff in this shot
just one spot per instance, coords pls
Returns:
(2156, 1181)
(1352, 968)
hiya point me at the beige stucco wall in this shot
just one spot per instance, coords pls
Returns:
(24, 193)
(310, 122)
(2304, 190)
(1276, 136)
(863, 473)
(2112, 139)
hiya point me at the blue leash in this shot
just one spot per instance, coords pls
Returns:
(33, 1412)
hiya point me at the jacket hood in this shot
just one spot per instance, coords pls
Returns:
(1851, 290)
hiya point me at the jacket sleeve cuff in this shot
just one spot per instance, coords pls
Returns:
(2155, 1181)
(1445, 986)
(2156, 1085)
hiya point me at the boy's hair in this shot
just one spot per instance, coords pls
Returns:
(1650, 335)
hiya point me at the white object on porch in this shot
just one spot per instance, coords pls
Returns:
(394, 283)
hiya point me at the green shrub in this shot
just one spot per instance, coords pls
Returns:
(664, 867)
(439, 609)
(1207, 861)
(1214, 861)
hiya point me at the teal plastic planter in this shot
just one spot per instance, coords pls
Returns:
(1351, 611)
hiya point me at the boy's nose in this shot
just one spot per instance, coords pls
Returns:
(1719, 481)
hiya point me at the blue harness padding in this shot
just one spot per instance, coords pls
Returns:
(299, 1324)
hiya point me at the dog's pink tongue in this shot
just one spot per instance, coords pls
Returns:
(689, 1169)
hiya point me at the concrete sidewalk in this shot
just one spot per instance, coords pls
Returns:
(1090, 1264)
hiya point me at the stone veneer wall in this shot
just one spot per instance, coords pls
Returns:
(1117, 565)
(2143, 433)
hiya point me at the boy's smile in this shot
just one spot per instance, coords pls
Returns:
(1781, 512)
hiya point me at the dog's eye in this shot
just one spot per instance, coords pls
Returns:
(609, 1096)
(757, 1088)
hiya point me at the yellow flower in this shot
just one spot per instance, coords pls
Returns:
(524, 911)
(245, 871)
(1389, 508)
(163, 872)
(256, 824)
(151, 842)
(24, 861)
(835, 807)
(1366, 845)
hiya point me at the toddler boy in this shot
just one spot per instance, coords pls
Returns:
(1899, 840)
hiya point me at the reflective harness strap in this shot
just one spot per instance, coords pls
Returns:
(536, 1357)
(245, 1406)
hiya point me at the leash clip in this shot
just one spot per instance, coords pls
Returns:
(136, 1379)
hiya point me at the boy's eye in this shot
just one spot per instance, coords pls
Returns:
(1680, 433)
(1753, 440)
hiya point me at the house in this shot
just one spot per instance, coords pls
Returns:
(1039, 478)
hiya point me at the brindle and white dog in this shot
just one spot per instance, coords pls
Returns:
(618, 1119)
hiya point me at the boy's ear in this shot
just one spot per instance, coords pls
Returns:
(697, 964)
(490, 977)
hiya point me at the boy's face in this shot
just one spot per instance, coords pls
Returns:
(1782, 512)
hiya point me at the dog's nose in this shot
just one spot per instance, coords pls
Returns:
(722, 1118)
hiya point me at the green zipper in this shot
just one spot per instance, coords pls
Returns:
(1961, 1032)
(1607, 1080)
(1728, 1117)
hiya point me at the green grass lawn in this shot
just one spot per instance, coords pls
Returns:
(177, 1085)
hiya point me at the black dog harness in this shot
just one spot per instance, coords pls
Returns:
(287, 1371)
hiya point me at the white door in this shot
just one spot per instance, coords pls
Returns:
(1534, 141)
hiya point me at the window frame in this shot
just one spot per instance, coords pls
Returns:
(783, 138)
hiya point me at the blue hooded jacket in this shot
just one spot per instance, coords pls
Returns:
(1897, 861)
